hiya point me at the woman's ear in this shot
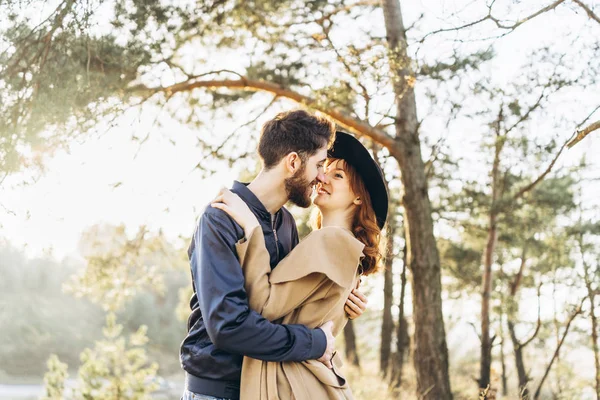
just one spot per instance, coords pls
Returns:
(293, 162)
(357, 201)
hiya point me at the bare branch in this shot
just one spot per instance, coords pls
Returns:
(573, 316)
(588, 10)
(497, 21)
(354, 125)
(458, 28)
(540, 178)
(342, 60)
(531, 109)
(583, 133)
(570, 142)
(475, 329)
(549, 7)
(539, 319)
(347, 8)
(216, 151)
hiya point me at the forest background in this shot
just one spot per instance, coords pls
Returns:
(119, 121)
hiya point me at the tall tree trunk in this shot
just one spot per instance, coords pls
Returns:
(486, 340)
(430, 348)
(511, 315)
(518, 350)
(387, 324)
(503, 361)
(593, 318)
(488, 258)
(350, 342)
(403, 339)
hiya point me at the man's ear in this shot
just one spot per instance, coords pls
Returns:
(293, 162)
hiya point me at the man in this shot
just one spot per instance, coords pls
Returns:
(222, 328)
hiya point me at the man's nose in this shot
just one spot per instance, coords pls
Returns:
(321, 177)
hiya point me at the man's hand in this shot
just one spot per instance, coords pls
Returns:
(326, 358)
(356, 304)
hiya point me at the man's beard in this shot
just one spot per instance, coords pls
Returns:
(297, 189)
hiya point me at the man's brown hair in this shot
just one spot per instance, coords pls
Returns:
(294, 131)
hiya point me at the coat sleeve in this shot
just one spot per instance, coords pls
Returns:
(230, 324)
(327, 257)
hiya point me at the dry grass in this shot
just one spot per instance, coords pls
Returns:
(367, 384)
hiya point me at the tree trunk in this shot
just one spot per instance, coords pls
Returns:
(593, 318)
(518, 350)
(350, 341)
(595, 343)
(430, 348)
(387, 324)
(403, 339)
(503, 362)
(512, 313)
(486, 341)
(488, 258)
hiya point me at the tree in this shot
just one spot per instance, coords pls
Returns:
(552, 199)
(54, 380)
(585, 236)
(118, 268)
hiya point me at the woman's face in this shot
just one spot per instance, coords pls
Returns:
(334, 193)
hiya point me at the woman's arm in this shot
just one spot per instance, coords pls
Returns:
(255, 261)
(327, 257)
(273, 300)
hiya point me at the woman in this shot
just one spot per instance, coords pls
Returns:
(311, 285)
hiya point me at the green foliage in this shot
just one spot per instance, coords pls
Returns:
(447, 70)
(116, 368)
(56, 81)
(125, 275)
(54, 380)
(463, 261)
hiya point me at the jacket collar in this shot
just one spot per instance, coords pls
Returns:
(241, 189)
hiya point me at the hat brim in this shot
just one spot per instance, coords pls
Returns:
(352, 151)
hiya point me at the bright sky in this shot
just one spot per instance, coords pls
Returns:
(103, 181)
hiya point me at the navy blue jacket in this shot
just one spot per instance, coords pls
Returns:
(222, 328)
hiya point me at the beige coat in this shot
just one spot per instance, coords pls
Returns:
(310, 287)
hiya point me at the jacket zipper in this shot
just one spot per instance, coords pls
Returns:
(275, 234)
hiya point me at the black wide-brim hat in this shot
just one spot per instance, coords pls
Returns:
(349, 149)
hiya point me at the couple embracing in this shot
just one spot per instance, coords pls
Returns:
(266, 307)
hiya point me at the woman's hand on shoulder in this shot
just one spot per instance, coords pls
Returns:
(237, 209)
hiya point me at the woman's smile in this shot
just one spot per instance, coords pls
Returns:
(320, 190)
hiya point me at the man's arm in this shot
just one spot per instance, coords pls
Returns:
(231, 325)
